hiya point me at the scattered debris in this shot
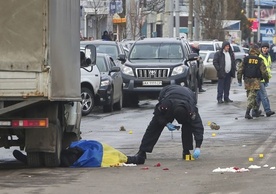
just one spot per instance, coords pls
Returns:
(254, 167)
(124, 164)
(157, 165)
(122, 128)
(214, 126)
(231, 169)
(145, 168)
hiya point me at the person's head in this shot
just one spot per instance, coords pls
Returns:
(105, 33)
(195, 45)
(254, 50)
(226, 46)
(264, 47)
(181, 114)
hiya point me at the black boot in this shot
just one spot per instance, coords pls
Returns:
(138, 158)
(257, 113)
(247, 114)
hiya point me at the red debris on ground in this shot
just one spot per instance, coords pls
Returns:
(157, 165)
(144, 168)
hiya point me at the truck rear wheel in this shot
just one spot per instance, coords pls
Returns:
(34, 159)
(53, 159)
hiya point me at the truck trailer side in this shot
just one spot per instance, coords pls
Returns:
(40, 109)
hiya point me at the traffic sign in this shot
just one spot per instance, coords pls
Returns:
(269, 31)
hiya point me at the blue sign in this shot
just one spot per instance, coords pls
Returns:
(269, 31)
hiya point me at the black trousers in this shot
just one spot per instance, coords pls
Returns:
(224, 87)
(155, 129)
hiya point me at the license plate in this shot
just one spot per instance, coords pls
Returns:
(152, 83)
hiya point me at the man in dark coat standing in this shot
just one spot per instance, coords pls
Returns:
(224, 62)
(175, 102)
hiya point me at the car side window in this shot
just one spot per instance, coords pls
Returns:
(236, 49)
(101, 64)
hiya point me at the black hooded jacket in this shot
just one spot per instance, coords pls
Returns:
(171, 97)
(174, 96)
(219, 62)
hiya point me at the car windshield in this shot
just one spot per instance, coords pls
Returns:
(111, 50)
(108, 49)
(156, 51)
(101, 64)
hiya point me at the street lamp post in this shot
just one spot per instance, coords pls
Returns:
(259, 22)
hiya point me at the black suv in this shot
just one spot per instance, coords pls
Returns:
(153, 63)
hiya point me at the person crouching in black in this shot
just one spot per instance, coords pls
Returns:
(175, 102)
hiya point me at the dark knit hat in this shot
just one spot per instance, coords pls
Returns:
(265, 44)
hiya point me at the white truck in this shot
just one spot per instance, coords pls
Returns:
(40, 101)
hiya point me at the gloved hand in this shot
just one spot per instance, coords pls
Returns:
(196, 153)
(240, 84)
(265, 84)
(172, 127)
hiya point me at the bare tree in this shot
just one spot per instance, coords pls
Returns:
(210, 14)
(97, 17)
(138, 11)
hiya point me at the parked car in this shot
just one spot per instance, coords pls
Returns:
(90, 83)
(209, 73)
(209, 45)
(239, 53)
(110, 93)
(157, 62)
(246, 50)
(112, 48)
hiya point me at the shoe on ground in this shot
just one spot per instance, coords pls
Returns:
(257, 113)
(220, 101)
(247, 116)
(269, 113)
(202, 90)
(20, 156)
(228, 100)
(138, 158)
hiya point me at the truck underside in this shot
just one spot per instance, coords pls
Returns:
(39, 127)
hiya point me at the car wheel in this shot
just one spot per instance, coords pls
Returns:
(118, 105)
(109, 107)
(88, 100)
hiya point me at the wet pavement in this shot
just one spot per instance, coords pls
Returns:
(237, 140)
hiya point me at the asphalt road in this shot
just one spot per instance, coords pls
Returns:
(237, 140)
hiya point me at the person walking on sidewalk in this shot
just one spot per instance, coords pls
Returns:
(174, 102)
(252, 70)
(262, 96)
(224, 63)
